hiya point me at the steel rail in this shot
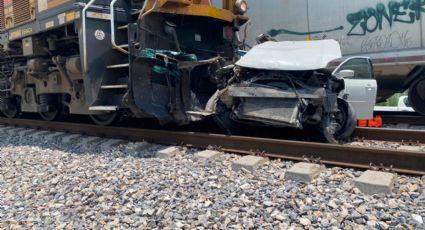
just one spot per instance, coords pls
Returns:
(403, 119)
(408, 162)
(394, 135)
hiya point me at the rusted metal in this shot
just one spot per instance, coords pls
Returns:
(311, 159)
(408, 162)
(381, 167)
(395, 135)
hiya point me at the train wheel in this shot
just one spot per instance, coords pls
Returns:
(339, 126)
(12, 110)
(417, 96)
(53, 115)
(57, 109)
(105, 119)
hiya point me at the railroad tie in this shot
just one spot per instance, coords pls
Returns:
(168, 152)
(375, 182)
(249, 163)
(207, 155)
(304, 172)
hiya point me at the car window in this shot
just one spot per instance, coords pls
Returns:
(360, 66)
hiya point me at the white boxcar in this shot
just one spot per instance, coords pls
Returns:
(361, 26)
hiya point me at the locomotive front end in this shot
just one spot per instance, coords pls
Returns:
(176, 48)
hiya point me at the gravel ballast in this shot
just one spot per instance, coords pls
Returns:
(44, 184)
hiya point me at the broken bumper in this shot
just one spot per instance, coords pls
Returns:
(269, 106)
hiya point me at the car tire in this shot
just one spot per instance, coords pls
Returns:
(347, 120)
(350, 123)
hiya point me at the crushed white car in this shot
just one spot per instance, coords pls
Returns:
(292, 84)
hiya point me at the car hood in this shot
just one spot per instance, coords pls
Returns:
(291, 55)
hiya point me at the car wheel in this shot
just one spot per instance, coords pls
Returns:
(339, 126)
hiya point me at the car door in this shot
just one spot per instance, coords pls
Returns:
(361, 88)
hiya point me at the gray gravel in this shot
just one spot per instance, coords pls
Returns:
(47, 185)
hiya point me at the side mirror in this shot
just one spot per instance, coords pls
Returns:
(346, 74)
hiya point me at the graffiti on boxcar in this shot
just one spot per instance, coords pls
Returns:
(372, 19)
(276, 32)
(393, 40)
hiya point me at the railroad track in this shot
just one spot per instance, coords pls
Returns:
(403, 119)
(409, 162)
(393, 135)
(410, 118)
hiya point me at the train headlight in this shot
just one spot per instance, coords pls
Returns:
(241, 7)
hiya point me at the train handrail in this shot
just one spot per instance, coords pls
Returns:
(86, 7)
(114, 44)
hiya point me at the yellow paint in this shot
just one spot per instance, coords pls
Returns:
(54, 3)
(15, 34)
(70, 16)
(228, 4)
(199, 10)
(20, 33)
(103, 16)
(26, 31)
(187, 7)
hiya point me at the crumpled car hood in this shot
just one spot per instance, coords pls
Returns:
(291, 55)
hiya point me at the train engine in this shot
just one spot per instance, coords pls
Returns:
(289, 84)
(106, 59)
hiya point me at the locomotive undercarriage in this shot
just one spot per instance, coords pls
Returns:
(42, 74)
(170, 75)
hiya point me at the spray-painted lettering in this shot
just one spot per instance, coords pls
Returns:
(274, 32)
(393, 40)
(372, 19)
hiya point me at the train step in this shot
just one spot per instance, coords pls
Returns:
(108, 108)
(198, 113)
(122, 86)
(125, 46)
(125, 65)
(123, 27)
